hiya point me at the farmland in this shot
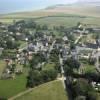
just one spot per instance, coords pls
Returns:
(57, 20)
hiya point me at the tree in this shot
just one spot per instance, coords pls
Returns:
(54, 55)
(34, 78)
(49, 75)
(68, 70)
(80, 98)
(72, 63)
(37, 58)
(82, 87)
(13, 68)
(92, 76)
(92, 61)
(45, 27)
(92, 95)
(72, 46)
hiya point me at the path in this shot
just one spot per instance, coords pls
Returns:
(77, 40)
(28, 91)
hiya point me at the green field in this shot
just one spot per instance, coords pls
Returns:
(57, 19)
(8, 20)
(68, 21)
(98, 97)
(89, 68)
(49, 91)
(49, 66)
(11, 87)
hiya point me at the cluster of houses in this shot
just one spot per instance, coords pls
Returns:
(44, 42)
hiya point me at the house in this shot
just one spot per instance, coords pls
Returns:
(97, 30)
(31, 47)
(20, 36)
(65, 38)
(64, 52)
(74, 54)
(45, 42)
(92, 45)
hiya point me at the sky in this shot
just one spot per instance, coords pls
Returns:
(8, 6)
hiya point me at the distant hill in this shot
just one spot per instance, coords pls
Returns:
(82, 7)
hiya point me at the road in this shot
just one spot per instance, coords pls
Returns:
(63, 78)
(51, 48)
(78, 39)
(97, 64)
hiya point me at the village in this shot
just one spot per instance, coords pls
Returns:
(25, 44)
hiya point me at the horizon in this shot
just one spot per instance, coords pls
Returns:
(13, 6)
(10, 6)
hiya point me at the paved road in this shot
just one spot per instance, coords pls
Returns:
(97, 64)
(63, 78)
(51, 48)
(78, 39)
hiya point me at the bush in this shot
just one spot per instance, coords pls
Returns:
(80, 98)
(92, 95)
(36, 77)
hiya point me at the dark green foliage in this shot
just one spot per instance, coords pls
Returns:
(72, 46)
(37, 58)
(13, 68)
(49, 75)
(36, 77)
(92, 76)
(2, 98)
(12, 44)
(44, 27)
(83, 88)
(92, 95)
(92, 61)
(54, 55)
(71, 64)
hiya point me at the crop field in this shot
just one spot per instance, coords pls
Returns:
(68, 21)
(52, 18)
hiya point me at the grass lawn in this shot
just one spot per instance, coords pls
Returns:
(67, 21)
(98, 98)
(57, 21)
(2, 66)
(89, 68)
(49, 66)
(11, 87)
(8, 20)
(23, 44)
(49, 91)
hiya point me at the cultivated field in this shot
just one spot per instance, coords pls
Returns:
(91, 12)
(68, 21)
(60, 19)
